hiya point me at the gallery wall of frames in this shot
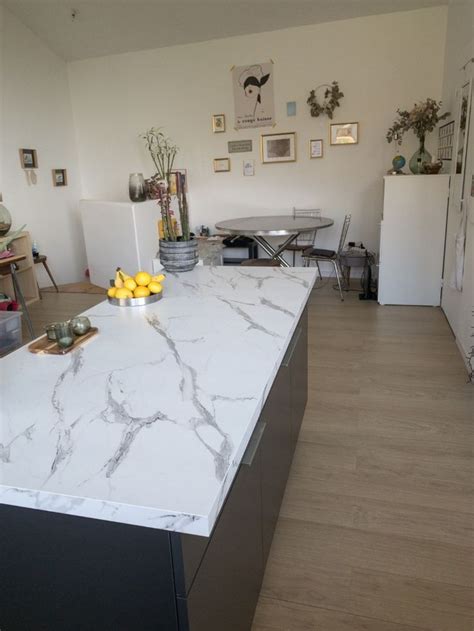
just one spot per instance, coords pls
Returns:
(251, 135)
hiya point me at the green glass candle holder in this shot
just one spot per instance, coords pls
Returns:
(64, 334)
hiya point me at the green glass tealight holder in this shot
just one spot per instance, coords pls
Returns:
(50, 330)
(64, 334)
(80, 325)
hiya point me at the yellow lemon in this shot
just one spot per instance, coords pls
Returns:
(155, 287)
(159, 278)
(141, 292)
(142, 278)
(130, 284)
(123, 292)
(111, 292)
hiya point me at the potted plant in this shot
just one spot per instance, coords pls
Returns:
(178, 250)
(421, 119)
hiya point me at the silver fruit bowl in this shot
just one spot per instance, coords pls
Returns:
(135, 302)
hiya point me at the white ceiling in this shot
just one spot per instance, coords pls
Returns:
(104, 27)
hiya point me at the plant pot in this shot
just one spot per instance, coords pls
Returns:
(178, 256)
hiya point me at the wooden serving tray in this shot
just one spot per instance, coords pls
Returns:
(43, 345)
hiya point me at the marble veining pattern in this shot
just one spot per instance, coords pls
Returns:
(147, 423)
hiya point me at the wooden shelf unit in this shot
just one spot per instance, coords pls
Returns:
(25, 273)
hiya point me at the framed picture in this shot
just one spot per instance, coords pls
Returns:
(278, 147)
(28, 159)
(249, 167)
(59, 177)
(218, 123)
(344, 133)
(291, 108)
(316, 148)
(446, 141)
(221, 165)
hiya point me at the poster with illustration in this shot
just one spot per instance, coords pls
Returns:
(253, 95)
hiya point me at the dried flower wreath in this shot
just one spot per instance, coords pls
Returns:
(332, 96)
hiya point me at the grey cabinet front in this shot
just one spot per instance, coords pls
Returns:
(225, 590)
(298, 367)
(60, 572)
(277, 451)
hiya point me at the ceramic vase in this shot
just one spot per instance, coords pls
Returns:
(5, 220)
(136, 187)
(178, 256)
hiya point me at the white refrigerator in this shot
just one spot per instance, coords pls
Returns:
(412, 239)
(119, 234)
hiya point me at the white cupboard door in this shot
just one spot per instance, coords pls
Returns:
(412, 239)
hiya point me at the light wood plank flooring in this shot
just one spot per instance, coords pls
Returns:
(376, 527)
(56, 307)
(377, 524)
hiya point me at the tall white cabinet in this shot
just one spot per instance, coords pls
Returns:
(119, 234)
(412, 239)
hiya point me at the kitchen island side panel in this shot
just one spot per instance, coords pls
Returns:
(61, 572)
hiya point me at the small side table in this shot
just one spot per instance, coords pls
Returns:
(11, 262)
(42, 258)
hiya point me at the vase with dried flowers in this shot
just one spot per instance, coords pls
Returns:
(178, 250)
(421, 119)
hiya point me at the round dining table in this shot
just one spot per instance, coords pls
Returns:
(261, 228)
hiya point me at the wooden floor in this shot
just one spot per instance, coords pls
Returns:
(55, 307)
(376, 528)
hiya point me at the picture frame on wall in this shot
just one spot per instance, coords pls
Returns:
(446, 141)
(316, 148)
(278, 147)
(218, 123)
(344, 133)
(28, 159)
(59, 177)
(221, 165)
(248, 168)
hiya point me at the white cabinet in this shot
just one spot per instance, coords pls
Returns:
(119, 234)
(412, 239)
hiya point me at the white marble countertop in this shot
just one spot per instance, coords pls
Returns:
(146, 424)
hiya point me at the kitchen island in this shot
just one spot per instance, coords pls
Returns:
(141, 475)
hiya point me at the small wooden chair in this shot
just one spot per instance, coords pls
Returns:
(42, 258)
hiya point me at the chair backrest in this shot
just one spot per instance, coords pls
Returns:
(306, 237)
(344, 231)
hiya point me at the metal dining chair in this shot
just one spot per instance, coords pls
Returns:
(319, 255)
(306, 239)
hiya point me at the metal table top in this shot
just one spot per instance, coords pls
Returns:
(273, 225)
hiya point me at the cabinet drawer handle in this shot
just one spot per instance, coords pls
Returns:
(254, 444)
(291, 348)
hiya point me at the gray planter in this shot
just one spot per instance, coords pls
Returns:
(178, 256)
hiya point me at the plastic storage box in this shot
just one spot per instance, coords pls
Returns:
(10, 331)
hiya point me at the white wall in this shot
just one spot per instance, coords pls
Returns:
(381, 63)
(459, 306)
(36, 113)
(1, 94)
(459, 47)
